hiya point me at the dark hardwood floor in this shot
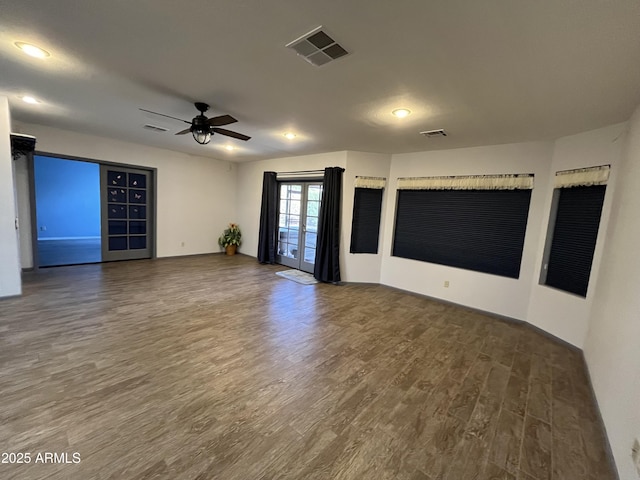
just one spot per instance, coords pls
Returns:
(213, 367)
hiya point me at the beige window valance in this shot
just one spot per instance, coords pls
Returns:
(468, 182)
(582, 177)
(370, 182)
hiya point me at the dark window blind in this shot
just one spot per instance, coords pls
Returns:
(365, 226)
(481, 230)
(574, 238)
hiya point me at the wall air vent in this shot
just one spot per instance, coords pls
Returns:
(317, 48)
(155, 128)
(434, 133)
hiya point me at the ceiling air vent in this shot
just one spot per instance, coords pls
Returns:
(155, 128)
(434, 133)
(317, 48)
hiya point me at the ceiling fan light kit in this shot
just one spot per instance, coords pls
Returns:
(200, 136)
(199, 126)
(202, 128)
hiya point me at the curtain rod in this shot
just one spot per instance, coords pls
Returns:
(300, 171)
(583, 168)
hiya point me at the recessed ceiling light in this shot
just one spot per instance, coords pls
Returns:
(230, 147)
(290, 135)
(32, 50)
(30, 99)
(401, 112)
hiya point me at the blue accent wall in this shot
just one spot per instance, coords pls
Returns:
(67, 198)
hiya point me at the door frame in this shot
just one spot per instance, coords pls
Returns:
(32, 196)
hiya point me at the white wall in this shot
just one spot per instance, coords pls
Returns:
(560, 313)
(362, 267)
(195, 198)
(10, 282)
(504, 296)
(611, 348)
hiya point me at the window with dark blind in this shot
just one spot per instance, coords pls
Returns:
(481, 230)
(575, 230)
(365, 226)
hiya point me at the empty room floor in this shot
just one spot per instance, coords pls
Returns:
(213, 367)
(70, 251)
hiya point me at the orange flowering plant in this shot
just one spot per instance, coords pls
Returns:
(231, 236)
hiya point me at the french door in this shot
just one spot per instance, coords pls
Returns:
(298, 224)
(126, 213)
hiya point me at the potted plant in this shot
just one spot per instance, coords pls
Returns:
(231, 238)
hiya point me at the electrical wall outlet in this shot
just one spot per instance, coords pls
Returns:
(635, 455)
(446, 284)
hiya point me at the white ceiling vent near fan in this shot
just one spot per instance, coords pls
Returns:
(155, 128)
(434, 133)
(317, 47)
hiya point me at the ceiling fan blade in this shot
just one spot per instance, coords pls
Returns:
(229, 133)
(163, 115)
(221, 120)
(186, 130)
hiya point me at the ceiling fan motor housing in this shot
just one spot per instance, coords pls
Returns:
(200, 123)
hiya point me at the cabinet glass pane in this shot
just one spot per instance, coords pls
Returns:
(117, 227)
(137, 180)
(118, 195)
(116, 211)
(137, 243)
(117, 243)
(137, 212)
(137, 196)
(137, 228)
(118, 179)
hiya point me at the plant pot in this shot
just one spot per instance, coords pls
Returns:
(231, 249)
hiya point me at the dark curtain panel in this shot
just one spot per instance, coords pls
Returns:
(268, 219)
(327, 266)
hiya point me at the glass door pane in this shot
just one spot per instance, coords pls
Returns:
(298, 224)
(310, 225)
(289, 224)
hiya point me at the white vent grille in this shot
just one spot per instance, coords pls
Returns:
(434, 133)
(317, 47)
(155, 128)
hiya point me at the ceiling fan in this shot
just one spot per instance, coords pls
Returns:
(202, 127)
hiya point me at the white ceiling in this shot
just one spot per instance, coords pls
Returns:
(489, 72)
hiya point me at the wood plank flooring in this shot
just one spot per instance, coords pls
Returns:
(213, 367)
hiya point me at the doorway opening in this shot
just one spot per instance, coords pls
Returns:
(67, 196)
(299, 209)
